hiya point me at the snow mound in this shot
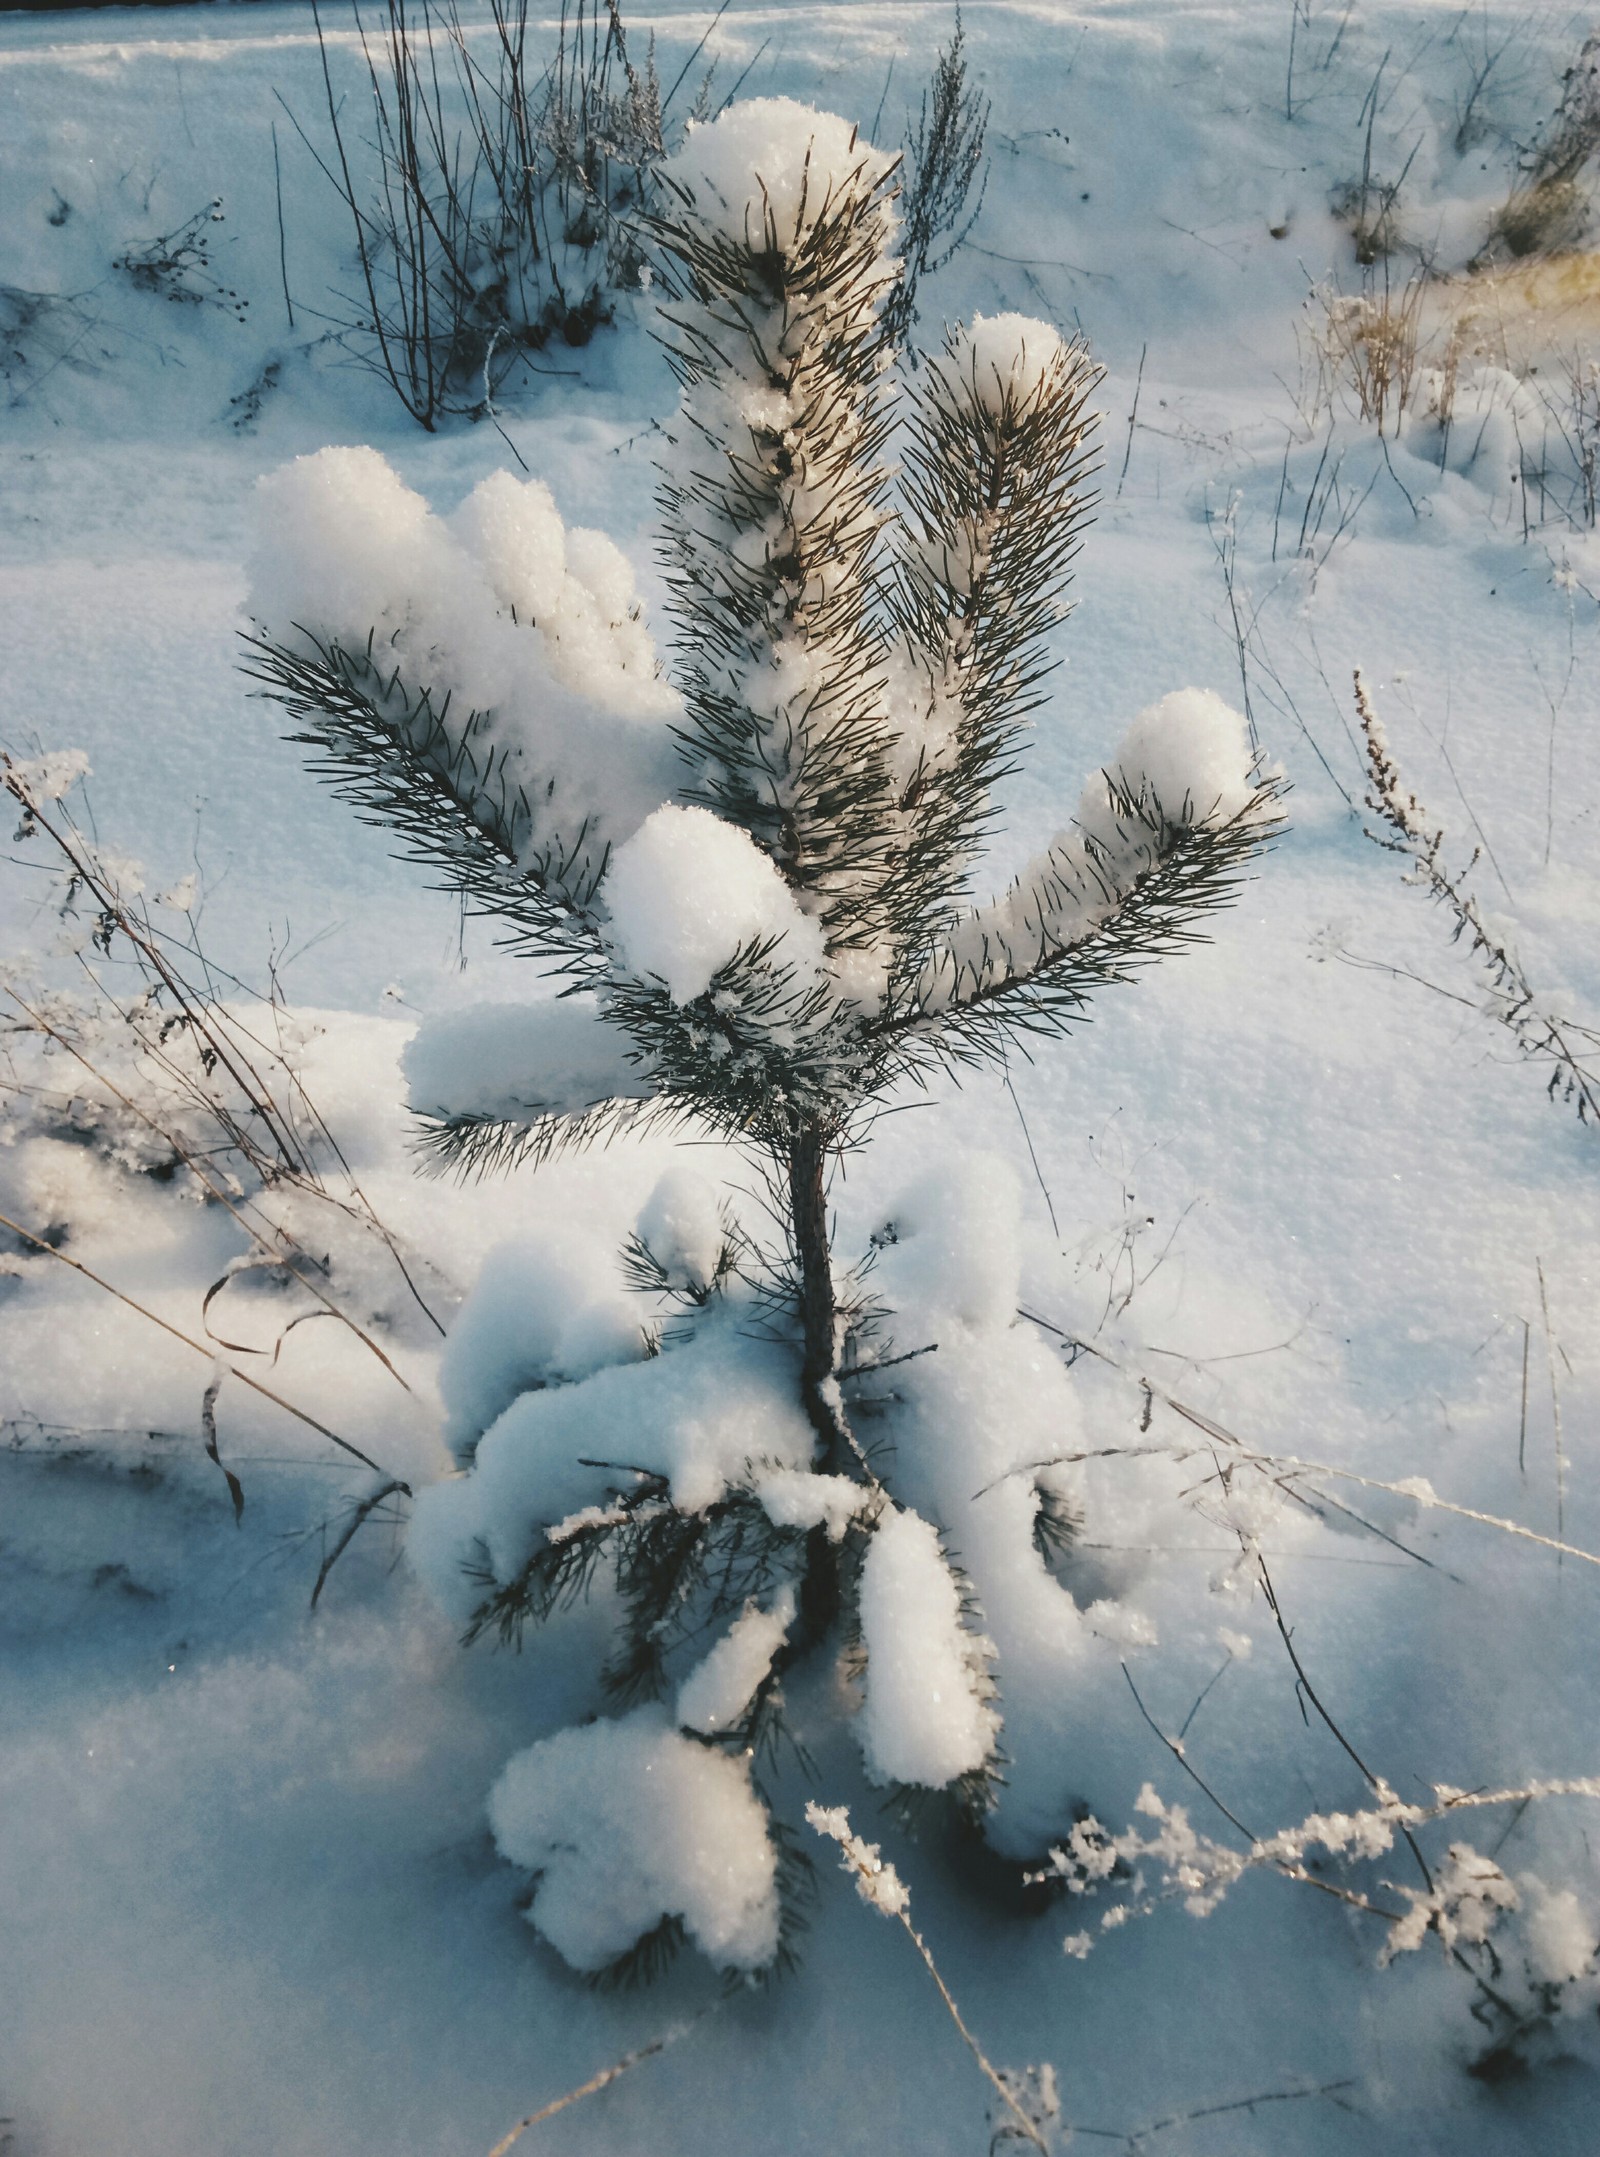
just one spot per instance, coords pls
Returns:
(689, 891)
(628, 1823)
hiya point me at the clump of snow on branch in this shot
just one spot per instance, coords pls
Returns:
(683, 1229)
(924, 1718)
(548, 1311)
(770, 166)
(1184, 765)
(717, 1692)
(797, 1498)
(1008, 359)
(527, 635)
(689, 892)
(971, 1420)
(519, 1062)
(1189, 755)
(628, 1823)
(693, 1418)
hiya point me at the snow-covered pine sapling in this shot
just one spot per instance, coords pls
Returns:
(754, 871)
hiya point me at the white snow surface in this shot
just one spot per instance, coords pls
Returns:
(243, 1864)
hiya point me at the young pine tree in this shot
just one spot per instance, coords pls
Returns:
(754, 872)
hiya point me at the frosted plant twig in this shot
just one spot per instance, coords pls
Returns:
(878, 1883)
(1133, 2139)
(1538, 1032)
(1201, 1872)
(388, 1488)
(224, 1039)
(287, 1249)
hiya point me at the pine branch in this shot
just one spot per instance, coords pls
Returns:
(386, 749)
(760, 1053)
(473, 1146)
(994, 480)
(771, 515)
(972, 1003)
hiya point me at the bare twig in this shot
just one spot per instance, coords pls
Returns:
(598, 2082)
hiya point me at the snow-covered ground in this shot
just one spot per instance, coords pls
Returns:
(1299, 1177)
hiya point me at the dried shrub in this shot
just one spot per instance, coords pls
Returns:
(1549, 211)
(1370, 344)
(497, 224)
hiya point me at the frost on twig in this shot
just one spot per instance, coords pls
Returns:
(878, 1884)
(1533, 1952)
(1541, 1031)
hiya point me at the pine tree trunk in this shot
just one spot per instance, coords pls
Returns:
(808, 1199)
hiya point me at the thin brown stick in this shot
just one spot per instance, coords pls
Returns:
(1555, 1412)
(1026, 2126)
(1373, 1784)
(1175, 1747)
(597, 2082)
(347, 1534)
(200, 1349)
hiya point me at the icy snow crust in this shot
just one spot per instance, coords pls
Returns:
(242, 1861)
